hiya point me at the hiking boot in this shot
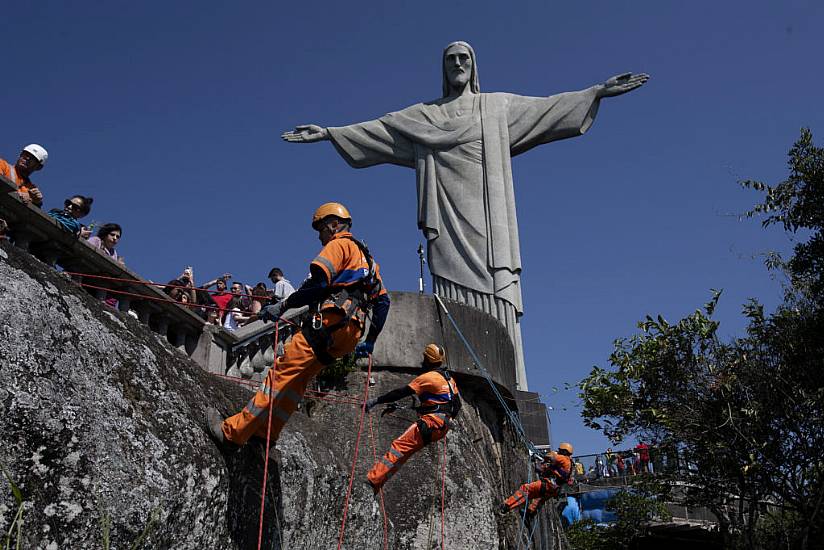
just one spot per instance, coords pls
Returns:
(214, 425)
(276, 457)
(375, 489)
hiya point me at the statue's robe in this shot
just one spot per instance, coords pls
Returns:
(466, 200)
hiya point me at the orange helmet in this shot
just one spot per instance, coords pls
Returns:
(433, 354)
(565, 447)
(330, 209)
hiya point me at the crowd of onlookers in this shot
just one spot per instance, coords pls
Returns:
(638, 460)
(230, 306)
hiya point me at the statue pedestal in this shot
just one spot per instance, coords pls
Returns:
(414, 321)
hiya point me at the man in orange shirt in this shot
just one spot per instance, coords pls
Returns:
(32, 158)
(343, 286)
(555, 471)
(440, 403)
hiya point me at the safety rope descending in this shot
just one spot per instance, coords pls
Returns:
(268, 439)
(435, 456)
(526, 508)
(355, 457)
(372, 437)
(443, 492)
(513, 418)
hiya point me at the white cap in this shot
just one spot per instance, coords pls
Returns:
(37, 151)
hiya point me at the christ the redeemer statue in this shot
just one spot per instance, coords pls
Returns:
(460, 147)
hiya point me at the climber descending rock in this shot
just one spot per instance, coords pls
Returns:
(555, 471)
(343, 287)
(440, 404)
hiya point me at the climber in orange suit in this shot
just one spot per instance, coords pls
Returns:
(554, 472)
(343, 287)
(440, 403)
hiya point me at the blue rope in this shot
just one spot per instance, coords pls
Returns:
(526, 507)
(513, 418)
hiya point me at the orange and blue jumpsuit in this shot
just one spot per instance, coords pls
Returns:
(340, 266)
(437, 394)
(554, 472)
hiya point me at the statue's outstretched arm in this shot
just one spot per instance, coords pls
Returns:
(306, 133)
(621, 84)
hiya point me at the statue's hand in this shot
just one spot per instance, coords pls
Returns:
(621, 84)
(307, 133)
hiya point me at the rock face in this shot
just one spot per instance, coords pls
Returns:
(102, 431)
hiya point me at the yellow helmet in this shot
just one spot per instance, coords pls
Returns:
(433, 354)
(330, 209)
(565, 447)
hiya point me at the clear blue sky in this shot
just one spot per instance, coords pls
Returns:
(169, 115)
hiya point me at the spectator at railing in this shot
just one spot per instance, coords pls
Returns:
(592, 473)
(175, 290)
(632, 462)
(199, 300)
(221, 298)
(235, 316)
(106, 240)
(74, 208)
(260, 298)
(619, 464)
(212, 317)
(600, 469)
(579, 468)
(612, 471)
(283, 288)
(642, 450)
(238, 291)
(32, 158)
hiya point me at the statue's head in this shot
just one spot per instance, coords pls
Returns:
(460, 68)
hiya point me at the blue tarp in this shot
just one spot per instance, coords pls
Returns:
(592, 506)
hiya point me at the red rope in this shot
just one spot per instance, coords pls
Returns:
(355, 458)
(337, 398)
(150, 283)
(383, 509)
(268, 437)
(187, 305)
(443, 490)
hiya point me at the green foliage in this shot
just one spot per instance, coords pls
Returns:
(797, 203)
(106, 527)
(334, 376)
(586, 535)
(16, 527)
(634, 511)
(154, 518)
(748, 413)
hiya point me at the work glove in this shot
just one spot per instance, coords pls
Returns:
(271, 312)
(370, 404)
(364, 349)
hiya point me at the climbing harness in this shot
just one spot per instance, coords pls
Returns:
(350, 300)
(451, 408)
